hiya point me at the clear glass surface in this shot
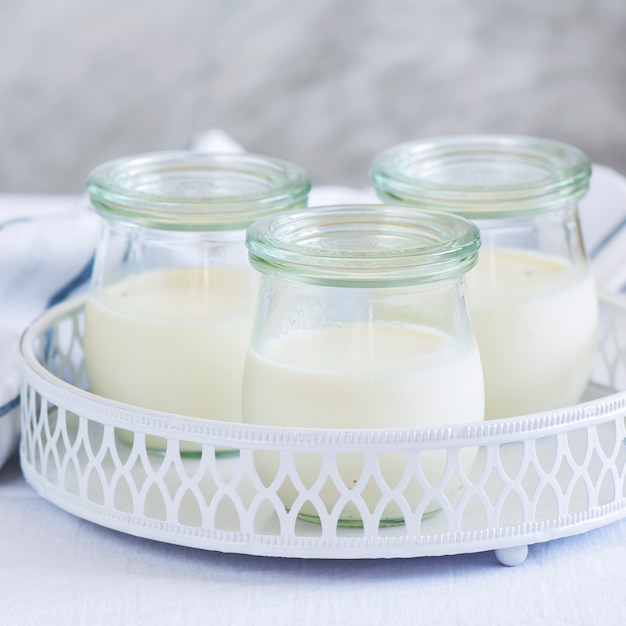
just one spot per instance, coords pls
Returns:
(361, 322)
(172, 296)
(531, 294)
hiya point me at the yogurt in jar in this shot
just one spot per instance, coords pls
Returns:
(535, 320)
(172, 340)
(362, 375)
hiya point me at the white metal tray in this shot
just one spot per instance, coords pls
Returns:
(528, 479)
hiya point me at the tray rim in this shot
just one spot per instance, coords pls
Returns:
(340, 548)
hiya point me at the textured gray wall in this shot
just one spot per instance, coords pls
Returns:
(325, 83)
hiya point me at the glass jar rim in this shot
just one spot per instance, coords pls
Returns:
(363, 245)
(189, 190)
(482, 176)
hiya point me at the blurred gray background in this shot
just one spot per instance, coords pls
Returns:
(325, 83)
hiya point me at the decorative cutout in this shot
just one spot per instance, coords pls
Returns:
(266, 464)
(564, 475)
(511, 511)
(578, 496)
(431, 522)
(530, 483)
(577, 443)
(308, 466)
(607, 436)
(95, 490)
(494, 486)
(227, 516)
(606, 490)
(546, 454)
(71, 478)
(188, 508)
(474, 517)
(370, 494)
(329, 494)
(547, 507)
(308, 512)
(123, 497)
(267, 522)
(594, 467)
(154, 503)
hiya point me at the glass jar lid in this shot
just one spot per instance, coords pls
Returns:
(359, 245)
(482, 176)
(185, 190)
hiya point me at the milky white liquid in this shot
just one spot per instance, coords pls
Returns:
(535, 320)
(172, 340)
(361, 376)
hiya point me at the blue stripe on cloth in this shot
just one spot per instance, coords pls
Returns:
(63, 292)
(77, 281)
(47, 344)
(7, 407)
(604, 242)
(15, 220)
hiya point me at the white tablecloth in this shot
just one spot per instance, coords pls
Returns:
(59, 569)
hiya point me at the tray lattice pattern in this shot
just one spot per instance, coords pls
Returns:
(326, 493)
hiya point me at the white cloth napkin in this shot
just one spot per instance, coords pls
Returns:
(47, 245)
(46, 251)
(603, 223)
(9, 394)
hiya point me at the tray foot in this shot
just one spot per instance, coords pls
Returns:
(512, 557)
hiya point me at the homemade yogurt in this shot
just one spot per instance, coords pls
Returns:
(361, 325)
(531, 295)
(172, 293)
(173, 340)
(362, 376)
(535, 320)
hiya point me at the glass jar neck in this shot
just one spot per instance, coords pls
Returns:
(363, 245)
(556, 233)
(196, 191)
(482, 176)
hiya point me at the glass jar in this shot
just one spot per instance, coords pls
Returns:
(361, 323)
(532, 295)
(172, 296)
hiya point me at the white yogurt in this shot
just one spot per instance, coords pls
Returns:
(535, 320)
(172, 340)
(361, 376)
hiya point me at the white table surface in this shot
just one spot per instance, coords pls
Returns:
(59, 569)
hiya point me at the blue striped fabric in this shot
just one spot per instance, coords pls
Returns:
(7, 407)
(46, 255)
(43, 260)
(73, 285)
(603, 222)
(610, 236)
